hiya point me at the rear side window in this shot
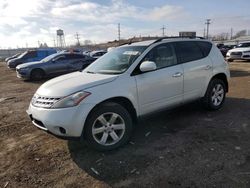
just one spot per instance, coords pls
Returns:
(205, 47)
(187, 51)
(31, 54)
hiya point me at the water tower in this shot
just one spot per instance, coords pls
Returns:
(60, 38)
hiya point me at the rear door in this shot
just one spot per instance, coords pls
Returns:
(193, 55)
(163, 87)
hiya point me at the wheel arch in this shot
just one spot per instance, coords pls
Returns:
(123, 101)
(38, 68)
(223, 77)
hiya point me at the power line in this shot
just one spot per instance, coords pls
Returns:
(208, 22)
(163, 30)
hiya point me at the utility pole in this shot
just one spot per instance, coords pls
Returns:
(163, 30)
(231, 37)
(208, 22)
(54, 40)
(204, 34)
(77, 38)
(119, 32)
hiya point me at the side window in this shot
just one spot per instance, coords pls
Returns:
(187, 51)
(163, 56)
(205, 47)
(31, 54)
(74, 56)
(59, 58)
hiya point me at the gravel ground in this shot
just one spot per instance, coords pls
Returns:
(185, 147)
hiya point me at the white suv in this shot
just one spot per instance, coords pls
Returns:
(103, 102)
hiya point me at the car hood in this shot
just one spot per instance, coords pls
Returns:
(73, 82)
(239, 50)
(30, 64)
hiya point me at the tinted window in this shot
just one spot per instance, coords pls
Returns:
(31, 54)
(163, 56)
(59, 58)
(188, 51)
(205, 47)
(74, 56)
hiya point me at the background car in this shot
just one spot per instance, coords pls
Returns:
(12, 57)
(30, 56)
(97, 54)
(225, 48)
(56, 64)
(240, 52)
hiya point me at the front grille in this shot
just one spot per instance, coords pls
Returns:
(44, 102)
(236, 53)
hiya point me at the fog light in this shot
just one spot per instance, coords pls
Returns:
(62, 130)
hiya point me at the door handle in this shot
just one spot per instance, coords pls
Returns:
(177, 74)
(208, 67)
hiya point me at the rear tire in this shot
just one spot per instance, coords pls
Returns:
(108, 127)
(215, 95)
(37, 74)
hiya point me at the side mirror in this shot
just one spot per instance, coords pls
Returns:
(147, 66)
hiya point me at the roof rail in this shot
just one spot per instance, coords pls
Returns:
(176, 37)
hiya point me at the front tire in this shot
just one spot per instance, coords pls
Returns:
(108, 127)
(215, 95)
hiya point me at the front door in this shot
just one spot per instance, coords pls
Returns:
(163, 87)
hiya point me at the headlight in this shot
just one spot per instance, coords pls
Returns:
(247, 52)
(23, 69)
(71, 100)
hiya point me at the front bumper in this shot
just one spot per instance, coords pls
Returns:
(63, 122)
(22, 75)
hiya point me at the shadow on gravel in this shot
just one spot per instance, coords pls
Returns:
(184, 147)
(239, 73)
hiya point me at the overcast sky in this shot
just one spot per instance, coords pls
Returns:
(24, 22)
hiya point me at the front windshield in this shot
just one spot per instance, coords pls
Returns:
(23, 54)
(48, 58)
(116, 61)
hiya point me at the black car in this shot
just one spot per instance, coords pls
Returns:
(12, 57)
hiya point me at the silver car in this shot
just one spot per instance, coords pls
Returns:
(53, 65)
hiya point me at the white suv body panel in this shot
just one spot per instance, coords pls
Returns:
(147, 92)
(158, 95)
(196, 76)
